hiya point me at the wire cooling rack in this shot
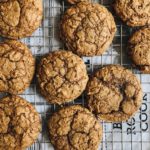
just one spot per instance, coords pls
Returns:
(132, 135)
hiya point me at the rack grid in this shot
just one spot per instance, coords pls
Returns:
(134, 134)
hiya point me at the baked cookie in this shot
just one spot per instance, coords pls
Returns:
(139, 49)
(87, 29)
(62, 76)
(133, 12)
(114, 94)
(20, 123)
(74, 128)
(17, 67)
(19, 18)
(77, 1)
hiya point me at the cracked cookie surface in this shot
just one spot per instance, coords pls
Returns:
(114, 94)
(19, 123)
(133, 12)
(74, 128)
(77, 1)
(139, 49)
(62, 76)
(87, 29)
(17, 67)
(19, 18)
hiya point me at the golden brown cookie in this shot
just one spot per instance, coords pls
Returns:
(19, 18)
(19, 123)
(62, 76)
(17, 67)
(74, 128)
(87, 29)
(139, 49)
(133, 12)
(77, 1)
(114, 94)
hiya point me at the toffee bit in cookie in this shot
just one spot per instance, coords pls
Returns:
(20, 123)
(133, 12)
(87, 29)
(74, 128)
(19, 18)
(139, 49)
(114, 94)
(62, 76)
(17, 66)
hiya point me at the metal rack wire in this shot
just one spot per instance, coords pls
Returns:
(135, 134)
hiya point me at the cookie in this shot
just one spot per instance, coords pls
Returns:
(19, 123)
(17, 67)
(62, 76)
(74, 128)
(139, 49)
(19, 18)
(133, 12)
(77, 1)
(114, 94)
(87, 29)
